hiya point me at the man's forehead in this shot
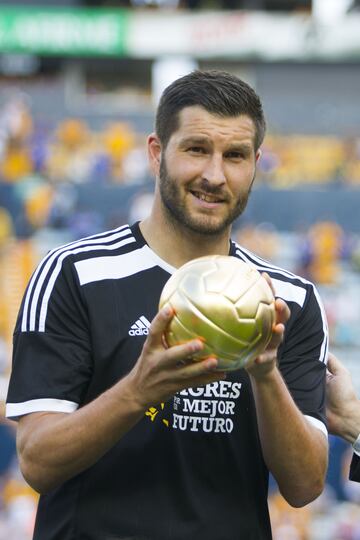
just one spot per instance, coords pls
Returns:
(198, 113)
(196, 122)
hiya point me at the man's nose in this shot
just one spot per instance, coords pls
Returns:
(214, 170)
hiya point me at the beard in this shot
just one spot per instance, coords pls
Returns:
(179, 214)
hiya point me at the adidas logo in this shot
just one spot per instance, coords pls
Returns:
(140, 327)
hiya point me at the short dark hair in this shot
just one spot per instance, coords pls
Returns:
(218, 92)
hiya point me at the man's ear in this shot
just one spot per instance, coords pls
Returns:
(258, 155)
(154, 153)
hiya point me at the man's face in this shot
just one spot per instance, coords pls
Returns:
(207, 170)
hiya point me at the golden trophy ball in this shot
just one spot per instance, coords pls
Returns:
(224, 302)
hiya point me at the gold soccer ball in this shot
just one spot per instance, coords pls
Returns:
(224, 302)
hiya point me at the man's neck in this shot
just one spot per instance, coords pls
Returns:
(177, 245)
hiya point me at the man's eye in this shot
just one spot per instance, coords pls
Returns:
(235, 155)
(196, 149)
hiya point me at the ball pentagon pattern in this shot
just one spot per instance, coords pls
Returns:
(226, 303)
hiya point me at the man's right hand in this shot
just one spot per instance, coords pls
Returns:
(160, 372)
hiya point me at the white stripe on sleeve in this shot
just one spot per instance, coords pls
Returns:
(15, 410)
(316, 423)
(43, 270)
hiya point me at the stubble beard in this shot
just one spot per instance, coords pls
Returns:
(178, 215)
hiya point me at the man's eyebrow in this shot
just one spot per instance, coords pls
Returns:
(239, 147)
(194, 139)
(233, 147)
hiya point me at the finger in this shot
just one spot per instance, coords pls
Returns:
(282, 311)
(177, 354)
(276, 337)
(200, 368)
(280, 304)
(158, 326)
(267, 278)
(266, 357)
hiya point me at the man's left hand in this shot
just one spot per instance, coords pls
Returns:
(267, 361)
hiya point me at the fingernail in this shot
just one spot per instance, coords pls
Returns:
(196, 345)
(167, 310)
(211, 363)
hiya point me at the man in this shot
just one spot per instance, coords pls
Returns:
(343, 410)
(126, 439)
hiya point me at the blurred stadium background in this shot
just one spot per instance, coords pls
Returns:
(78, 84)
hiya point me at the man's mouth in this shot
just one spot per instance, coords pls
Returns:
(207, 197)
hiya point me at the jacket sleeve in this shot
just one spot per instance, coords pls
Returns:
(52, 362)
(303, 353)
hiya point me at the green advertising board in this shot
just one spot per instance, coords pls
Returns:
(61, 31)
